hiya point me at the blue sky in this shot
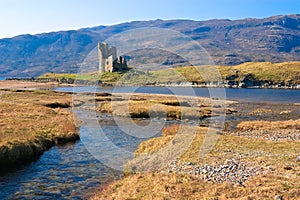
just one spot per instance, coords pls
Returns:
(38, 16)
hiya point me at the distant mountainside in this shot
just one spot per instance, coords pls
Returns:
(229, 42)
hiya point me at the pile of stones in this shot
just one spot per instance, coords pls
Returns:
(231, 171)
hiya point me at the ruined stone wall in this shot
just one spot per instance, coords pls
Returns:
(106, 54)
(108, 60)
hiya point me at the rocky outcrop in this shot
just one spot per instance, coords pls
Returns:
(249, 81)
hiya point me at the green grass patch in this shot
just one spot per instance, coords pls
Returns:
(286, 72)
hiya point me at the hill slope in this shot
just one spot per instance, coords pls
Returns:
(274, 39)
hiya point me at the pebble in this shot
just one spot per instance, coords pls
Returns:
(298, 159)
(278, 197)
(285, 112)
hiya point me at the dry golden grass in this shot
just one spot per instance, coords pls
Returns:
(26, 114)
(154, 144)
(268, 125)
(160, 106)
(7, 84)
(283, 178)
(285, 72)
(227, 147)
(33, 120)
(181, 186)
(266, 71)
(170, 130)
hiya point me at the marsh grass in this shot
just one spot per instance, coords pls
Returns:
(27, 122)
(159, 106)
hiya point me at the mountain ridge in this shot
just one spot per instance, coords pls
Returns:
(229, 42)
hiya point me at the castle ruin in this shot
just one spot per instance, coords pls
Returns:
(108, 60)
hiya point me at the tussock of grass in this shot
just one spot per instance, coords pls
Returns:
(155, 144)
(268, 125)
(170, 130)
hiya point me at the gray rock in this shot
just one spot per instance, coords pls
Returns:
(298, 159)
(278, 197)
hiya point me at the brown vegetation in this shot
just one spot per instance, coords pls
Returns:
(182, 186)
(162, 107)
(30, 124)
(276, 159)
(268, 125)
(25, 84)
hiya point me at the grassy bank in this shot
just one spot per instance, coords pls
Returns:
(182, 186)
(261, 169)
(265, 72)
(285, 72)
(274, 166)
(31, 122)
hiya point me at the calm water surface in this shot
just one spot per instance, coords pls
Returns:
(240, 94)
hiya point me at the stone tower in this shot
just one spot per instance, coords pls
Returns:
(108, 60)
(106, 55)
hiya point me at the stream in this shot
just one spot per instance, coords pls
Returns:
(69, 171)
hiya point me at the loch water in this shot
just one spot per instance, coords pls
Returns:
(236, 94)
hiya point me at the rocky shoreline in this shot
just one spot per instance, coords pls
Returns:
(245, 83)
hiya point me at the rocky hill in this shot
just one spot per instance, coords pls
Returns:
(229, 42)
